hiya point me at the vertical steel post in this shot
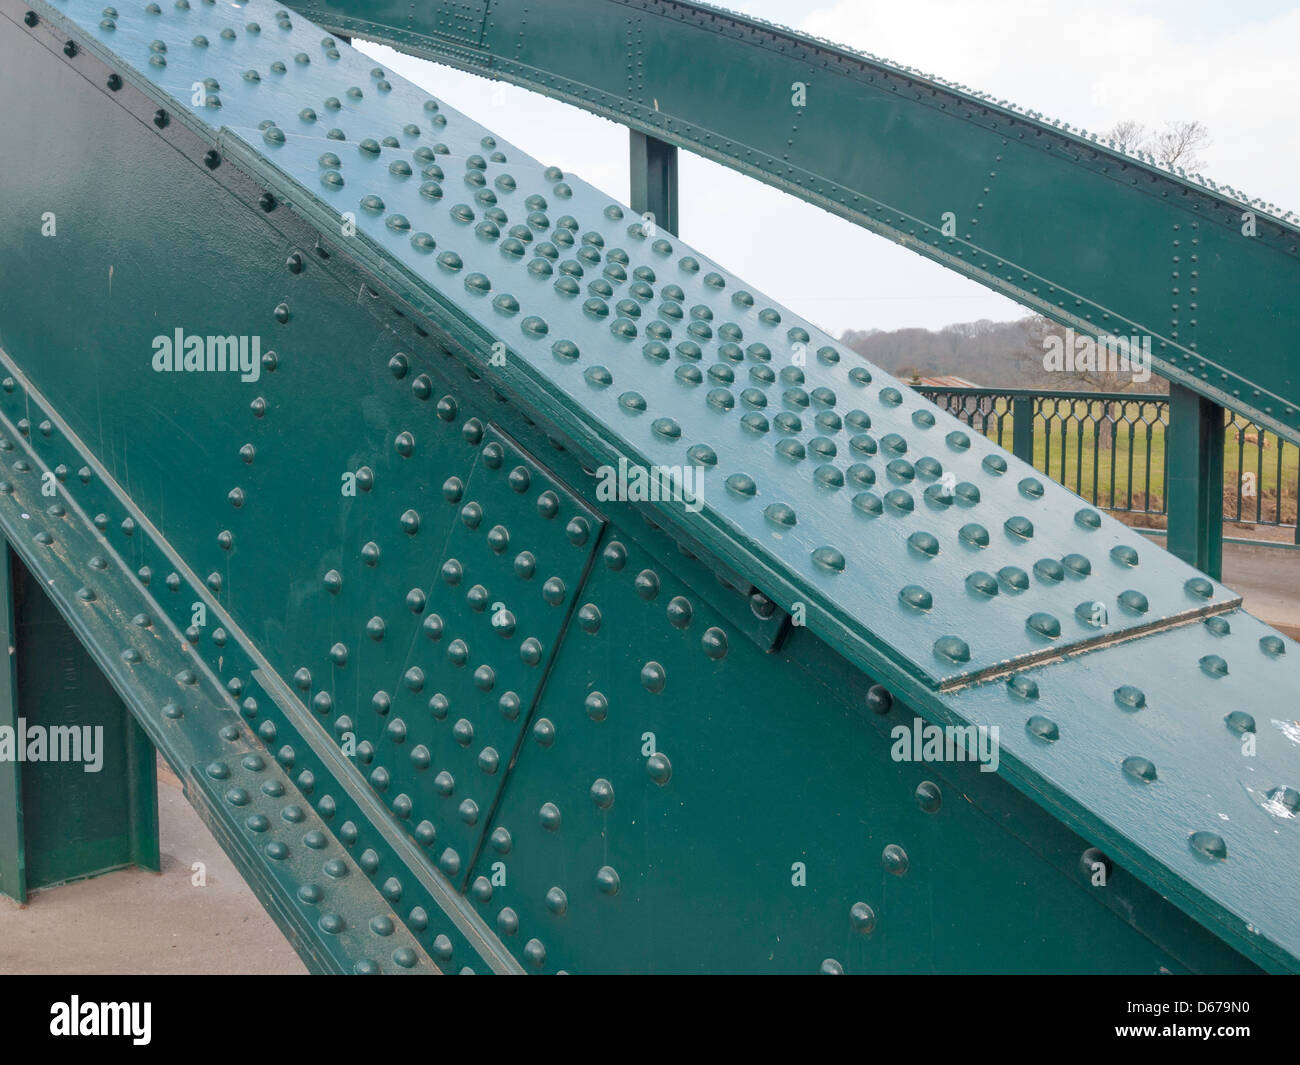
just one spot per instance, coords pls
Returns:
(654, 180)
(1022, 428)
(13, 855)
(1194, 451)
(78, 780)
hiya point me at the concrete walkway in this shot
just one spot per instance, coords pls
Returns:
(1268, 580)
(155, 923)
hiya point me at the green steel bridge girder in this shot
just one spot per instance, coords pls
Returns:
(339, 618)
(1051, 217)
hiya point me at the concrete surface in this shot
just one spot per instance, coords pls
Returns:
(1268, 579)
(133, 921)
(137, 922)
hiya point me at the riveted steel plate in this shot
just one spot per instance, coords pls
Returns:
(934, 544)
(384, 855)
(303, 875)
(929, 544)
(1062, 220)
(665, 751)
(1187, 743)
(474, 658)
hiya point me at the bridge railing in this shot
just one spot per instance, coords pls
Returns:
(1109, 448)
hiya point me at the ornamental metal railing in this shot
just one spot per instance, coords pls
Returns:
(1109, 448)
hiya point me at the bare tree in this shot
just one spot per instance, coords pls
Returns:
(1129, 136)
(1178, 143)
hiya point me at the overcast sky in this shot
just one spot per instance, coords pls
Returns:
(1232, 66)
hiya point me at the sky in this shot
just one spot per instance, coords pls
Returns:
(1092, 64)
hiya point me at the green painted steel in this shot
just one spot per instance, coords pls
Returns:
(13, 853)
(88, 799)
(994, 191)
(1195, 480)
(653, 165)
(1022, 428)
(317, 892)
(491, 716)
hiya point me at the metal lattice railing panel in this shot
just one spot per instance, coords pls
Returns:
(1111, 450)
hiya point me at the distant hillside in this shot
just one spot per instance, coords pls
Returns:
(991, 354)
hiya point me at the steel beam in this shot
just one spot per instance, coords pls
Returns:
(975, 183)
(1022, 428)
(654, 181)
(87, 795)
(13, 852)
(1194, 480)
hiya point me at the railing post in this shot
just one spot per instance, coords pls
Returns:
(654, 179)
(1194, 490)
(1022, 428)
(78, 780)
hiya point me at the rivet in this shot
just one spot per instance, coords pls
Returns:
(1044, 625)
(535, 953)
(1043, 728)
(928, 796)
(653, 677)
(894, 859)
(829, 559)
(1140, 769)
(659, 768)
(602, 793)
(1240, 722)
(714, 643)
(597, 706)
(862, 917)
(1213, 666)
(916, 597)
(1209, 845)
(544, 732)
(952, 648)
